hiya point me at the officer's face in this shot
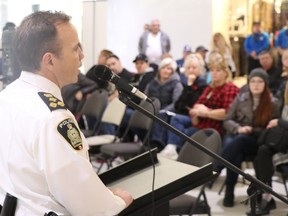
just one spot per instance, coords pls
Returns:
(67, 64)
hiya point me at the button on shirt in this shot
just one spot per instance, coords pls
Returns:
(38, 165)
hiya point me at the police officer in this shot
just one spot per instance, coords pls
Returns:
(43, 155)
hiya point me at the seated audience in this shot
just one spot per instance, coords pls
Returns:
(166, 87)
(74, 95)
(267, 63)
(193, 81)
(144, 74)
(91, 72)
(248, 115)
(186, 51)
(193, 88)
(263, 163)
(202, 51)
(104, 54)
(210, 109)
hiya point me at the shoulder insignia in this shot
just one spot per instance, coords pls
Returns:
(71, 134)
(51, 101)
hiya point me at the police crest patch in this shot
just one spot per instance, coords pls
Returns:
(51, 101)
(71, 134)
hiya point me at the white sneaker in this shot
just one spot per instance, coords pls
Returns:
(169, 152)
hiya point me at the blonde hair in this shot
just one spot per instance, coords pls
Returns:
(195, 57)
(286, 94)
(221, 45)
(216, 60)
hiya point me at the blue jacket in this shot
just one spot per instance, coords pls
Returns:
(282, 39)
(257, 42)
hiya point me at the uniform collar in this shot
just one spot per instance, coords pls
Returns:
(42, 83)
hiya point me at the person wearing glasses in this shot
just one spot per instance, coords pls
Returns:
(247, 117)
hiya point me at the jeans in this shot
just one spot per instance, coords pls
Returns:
(235, 148)
(182, 123)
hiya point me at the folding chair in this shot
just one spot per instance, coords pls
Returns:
(138, 120)
(186, 204)
(93, 107)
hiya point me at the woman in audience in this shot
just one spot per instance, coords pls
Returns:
(193, 81)
(263, 163)
(220, 45)
(248, 115)
(210, 109)
(194, 86)
(167, 88)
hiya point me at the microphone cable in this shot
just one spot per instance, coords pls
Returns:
(153, 162)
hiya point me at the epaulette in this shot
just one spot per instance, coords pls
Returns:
(51, 101)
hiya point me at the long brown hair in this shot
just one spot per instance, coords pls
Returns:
(264, 110)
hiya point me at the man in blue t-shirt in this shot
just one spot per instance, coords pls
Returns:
(254, 44)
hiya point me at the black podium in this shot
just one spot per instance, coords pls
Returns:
(172, 179)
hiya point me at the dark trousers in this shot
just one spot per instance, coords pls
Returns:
(263, 164)
(235, 149)
(252, 64)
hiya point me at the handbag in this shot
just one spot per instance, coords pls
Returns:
(276, 138)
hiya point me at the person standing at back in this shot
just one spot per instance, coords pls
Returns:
(220, 45)
(154, 43)
(43, 155)
(254, 44)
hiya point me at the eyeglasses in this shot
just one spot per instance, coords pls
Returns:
(256, 81)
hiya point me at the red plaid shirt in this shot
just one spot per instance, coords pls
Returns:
(221, 97)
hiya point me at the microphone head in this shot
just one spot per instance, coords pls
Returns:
(103, 73)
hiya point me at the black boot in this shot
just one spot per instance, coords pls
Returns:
(229, 196)
(264, 208)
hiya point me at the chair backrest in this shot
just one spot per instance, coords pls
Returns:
(209, 138)
(141, 121)
(95, 104)
(114, 112)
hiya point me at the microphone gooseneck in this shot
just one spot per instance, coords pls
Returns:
(104, 73)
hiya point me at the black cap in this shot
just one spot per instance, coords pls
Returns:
(201, 48)
(141, 57)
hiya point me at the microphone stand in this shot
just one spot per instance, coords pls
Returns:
(255, 185)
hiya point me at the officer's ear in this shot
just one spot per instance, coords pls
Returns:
(48, 59)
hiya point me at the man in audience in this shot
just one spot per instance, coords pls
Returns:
(154, 43)
(267, 63)
(186, 51)
(203, 52)
(114, 63)
(145, 73)
(255, 43)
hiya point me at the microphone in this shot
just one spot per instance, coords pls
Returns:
(104, 73)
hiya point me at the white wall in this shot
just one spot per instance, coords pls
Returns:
(185, 21)
(94, 34)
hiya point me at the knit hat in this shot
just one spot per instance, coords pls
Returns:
(167, 61)
(259, 72)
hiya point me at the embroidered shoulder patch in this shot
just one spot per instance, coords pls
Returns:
(71, 134)
(52, 102)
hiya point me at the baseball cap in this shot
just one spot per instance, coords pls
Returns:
(201, 48)
(141, 57)
(187, 48)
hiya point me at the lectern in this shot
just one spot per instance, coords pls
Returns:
(172, 178)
